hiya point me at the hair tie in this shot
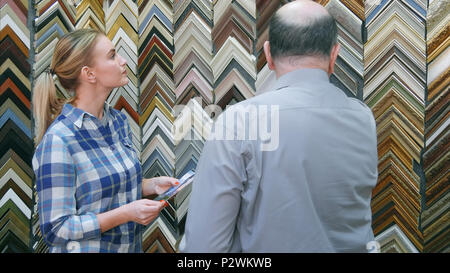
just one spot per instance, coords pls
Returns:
(50, 71)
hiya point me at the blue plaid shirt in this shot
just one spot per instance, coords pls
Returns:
(85, 166)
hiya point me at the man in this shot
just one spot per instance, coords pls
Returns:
(310, 193)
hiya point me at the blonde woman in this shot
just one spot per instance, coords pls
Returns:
(88, 176)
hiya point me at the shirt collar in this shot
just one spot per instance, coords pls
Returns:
(76, 115)
(302, 76)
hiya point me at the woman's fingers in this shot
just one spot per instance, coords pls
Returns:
(150, 206)
(158, 205)
(154, 210)
(151, 203)
(162, 183)
(169, 180)
(144, 209)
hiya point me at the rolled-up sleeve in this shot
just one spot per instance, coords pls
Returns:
(56, 185)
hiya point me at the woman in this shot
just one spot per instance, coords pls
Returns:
(88, 175)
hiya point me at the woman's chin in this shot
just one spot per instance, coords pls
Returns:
(124, 82)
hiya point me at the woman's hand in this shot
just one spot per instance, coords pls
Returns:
(144, 211)
(158, 185)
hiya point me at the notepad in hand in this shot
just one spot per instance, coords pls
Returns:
(184, 181)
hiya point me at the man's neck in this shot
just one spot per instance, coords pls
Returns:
(289, 64)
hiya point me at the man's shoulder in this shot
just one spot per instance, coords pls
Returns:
(266, 98)
(257, 104)
(337, 98)
(357, 104)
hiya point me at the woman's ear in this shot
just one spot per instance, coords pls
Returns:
(87, 75)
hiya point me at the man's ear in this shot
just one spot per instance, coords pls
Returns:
(269, 59)
(87, 75)
(333, 56)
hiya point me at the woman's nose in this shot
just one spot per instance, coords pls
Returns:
(122, 60)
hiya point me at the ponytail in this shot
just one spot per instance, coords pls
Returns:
(46, 104)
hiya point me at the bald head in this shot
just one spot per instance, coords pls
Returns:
(301, 12)
(302, 28)
(301, 34)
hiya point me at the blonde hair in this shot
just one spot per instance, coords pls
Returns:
(72, 52)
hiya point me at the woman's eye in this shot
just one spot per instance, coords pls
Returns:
(113, 55)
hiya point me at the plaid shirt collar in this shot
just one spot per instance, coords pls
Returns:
(76, 115)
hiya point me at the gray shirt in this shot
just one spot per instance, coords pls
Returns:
(309, 193)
